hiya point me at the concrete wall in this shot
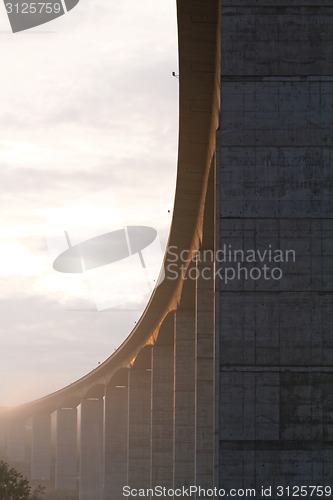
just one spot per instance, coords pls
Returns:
(276, 193)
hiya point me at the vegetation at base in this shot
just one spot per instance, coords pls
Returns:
(14, 486)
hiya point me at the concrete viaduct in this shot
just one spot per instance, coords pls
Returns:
(224, 383)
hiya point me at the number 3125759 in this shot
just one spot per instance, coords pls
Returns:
(33, 8)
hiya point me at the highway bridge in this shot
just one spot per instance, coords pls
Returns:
(226, 380)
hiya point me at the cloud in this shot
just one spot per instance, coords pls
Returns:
(87, 104)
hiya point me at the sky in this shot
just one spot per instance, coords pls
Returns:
(88, 145)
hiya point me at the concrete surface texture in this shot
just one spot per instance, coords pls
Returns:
(276, 192)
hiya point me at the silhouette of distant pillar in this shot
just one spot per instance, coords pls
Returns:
(205, 375)
(139, 430)
(16, 441)
(184, 399)
(162, 406)
(3, 440)
(91, 449)
(64, 422)
(41, 448)
(115, 436)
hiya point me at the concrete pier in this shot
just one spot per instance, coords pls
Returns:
(139, 420)
(3, 442)
(162, 406)
(16, 441)
(205, 376)
(276, 194)
(41, 451)
(91, 448)
(116, 436)
(184, 400)
(64, 430)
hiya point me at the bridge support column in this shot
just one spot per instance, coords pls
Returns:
(184, 399)
(139, 431)
(64, 427)
(41, 448)
(115, 438)
(91, 449)
(205, 375)
(162, 415)
(3, 440)
(16, 441)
